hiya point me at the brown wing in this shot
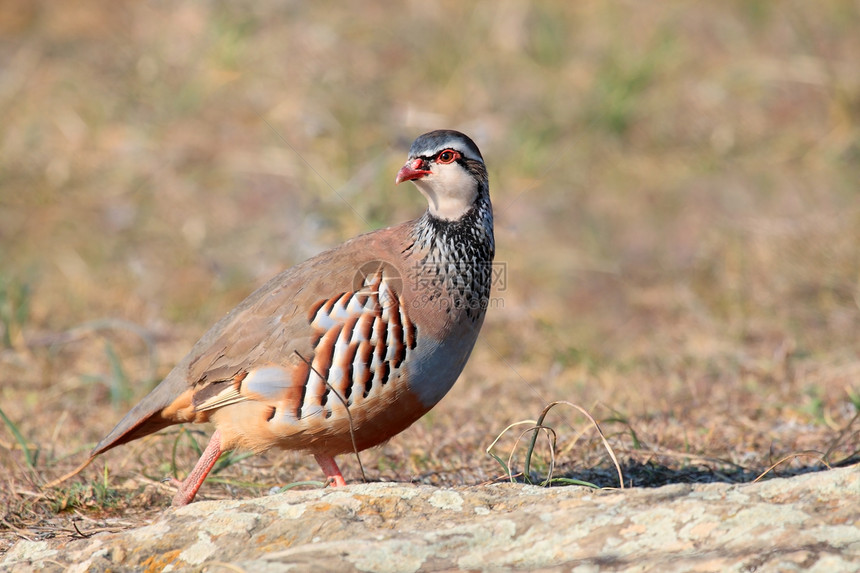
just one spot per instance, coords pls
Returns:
(273, 326)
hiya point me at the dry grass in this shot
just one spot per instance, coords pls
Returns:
(676, 191)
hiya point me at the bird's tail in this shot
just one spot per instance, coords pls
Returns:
(71, 474)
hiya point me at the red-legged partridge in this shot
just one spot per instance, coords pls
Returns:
(381, 325)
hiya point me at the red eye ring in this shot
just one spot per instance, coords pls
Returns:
(447, 156)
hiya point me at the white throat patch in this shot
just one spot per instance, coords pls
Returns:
(450, 190)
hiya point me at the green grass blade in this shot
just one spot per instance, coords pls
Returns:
(28, 455)
(230, 459)
(504, 466)
(119, 385)
(572, 481)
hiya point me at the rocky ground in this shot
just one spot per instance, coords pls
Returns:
(805, 523)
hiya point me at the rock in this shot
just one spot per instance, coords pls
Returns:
(805, 523)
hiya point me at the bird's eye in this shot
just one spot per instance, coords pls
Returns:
(447, 156)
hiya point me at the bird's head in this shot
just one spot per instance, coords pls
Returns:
(448, 169)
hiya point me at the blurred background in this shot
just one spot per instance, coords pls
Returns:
(675, 188)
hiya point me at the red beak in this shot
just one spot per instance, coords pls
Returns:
(412, 170)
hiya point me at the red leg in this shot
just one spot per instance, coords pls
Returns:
(188, 488)
(329, 467)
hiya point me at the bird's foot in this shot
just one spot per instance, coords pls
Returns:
(332, 472)
(335, 481)
(188, 488)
